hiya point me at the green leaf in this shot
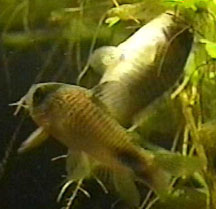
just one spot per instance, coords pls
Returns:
(210, 47)
(112, 21)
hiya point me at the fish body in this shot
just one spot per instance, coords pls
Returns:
(142, 68)
(77, 119)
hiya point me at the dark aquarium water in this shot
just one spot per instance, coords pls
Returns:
(126, 115)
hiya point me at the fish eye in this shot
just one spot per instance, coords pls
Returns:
(41, 93)
(39, 96)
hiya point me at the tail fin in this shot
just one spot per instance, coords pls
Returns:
(156, 169)
(166, 165)
(178, 165)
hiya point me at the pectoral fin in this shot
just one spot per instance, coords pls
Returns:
(78, 165)
(34, 140)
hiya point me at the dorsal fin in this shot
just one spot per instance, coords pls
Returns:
(116, 98)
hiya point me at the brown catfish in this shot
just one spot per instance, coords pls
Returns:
(78, 119)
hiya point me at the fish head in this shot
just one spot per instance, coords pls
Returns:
(38, 99)
(104, 58)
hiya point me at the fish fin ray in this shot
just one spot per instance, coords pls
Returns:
(35, 139)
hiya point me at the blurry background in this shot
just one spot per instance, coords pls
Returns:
(51, 40)
(43, 41)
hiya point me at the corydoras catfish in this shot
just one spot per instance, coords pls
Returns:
(141, 69)
(78, 119)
